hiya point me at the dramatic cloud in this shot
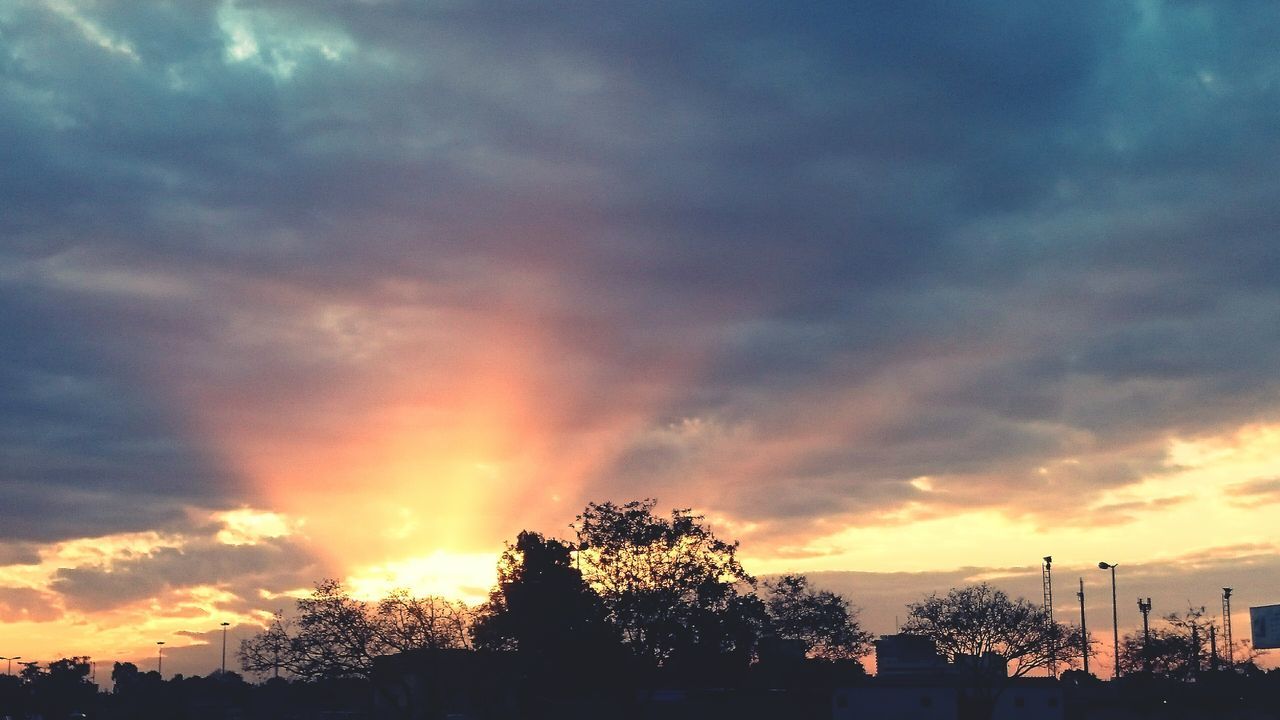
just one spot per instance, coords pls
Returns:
(421, 275)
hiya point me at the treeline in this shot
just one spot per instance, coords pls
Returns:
(633, 601)
(660, 591)
(652, 591)
(65, 690)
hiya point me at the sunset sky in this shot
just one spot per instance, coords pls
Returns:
(900, 295)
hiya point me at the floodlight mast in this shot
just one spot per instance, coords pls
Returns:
(1046, 576)
(1226, 627)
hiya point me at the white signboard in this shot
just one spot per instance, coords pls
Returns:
(1265, 623)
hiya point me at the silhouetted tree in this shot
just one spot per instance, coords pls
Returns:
(1180, 648)
(980, 619)
(670, 586)
(404, 622)
(821, 620)
(541, 605)
(269, 650)
(124, 675)
(13, 696)
(334, 635)
(62, 688)
(1170, 653)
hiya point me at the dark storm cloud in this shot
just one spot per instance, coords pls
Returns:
(881, 242)
(86, 450)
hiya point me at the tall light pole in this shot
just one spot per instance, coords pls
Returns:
(1115, 616)
(1046, 575)
(1226, 627)
(224, 647)
(11, 659)
(160, 658)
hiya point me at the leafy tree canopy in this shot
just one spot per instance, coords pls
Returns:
(1180, 648)
(822, 621)
(669, 584)
(541, 605)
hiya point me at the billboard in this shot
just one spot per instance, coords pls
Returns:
(1265, 623)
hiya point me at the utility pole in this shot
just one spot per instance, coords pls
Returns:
(1195, 650)
(224, 647)
(1084, 632)
(160, 658)
(1213, 647)
(1145, 609)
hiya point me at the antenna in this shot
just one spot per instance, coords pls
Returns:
(1084, 632)
(1226, 626)
(1046, 577)
(1213, 647)
(1145, 609)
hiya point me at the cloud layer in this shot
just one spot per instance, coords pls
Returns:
(425, 274)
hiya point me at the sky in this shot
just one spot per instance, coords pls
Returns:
(901, 296)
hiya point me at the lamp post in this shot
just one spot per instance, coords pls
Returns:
(224, 647)
(11, 659)
(1115, 616)
(160, 658)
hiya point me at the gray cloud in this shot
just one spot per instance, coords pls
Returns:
(879, 242)
(244, 570)
(1262, 491)
(27, 605)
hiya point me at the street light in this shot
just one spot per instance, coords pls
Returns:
(160, 658)
(1115, 615)
(224, 647)
(11, 659)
